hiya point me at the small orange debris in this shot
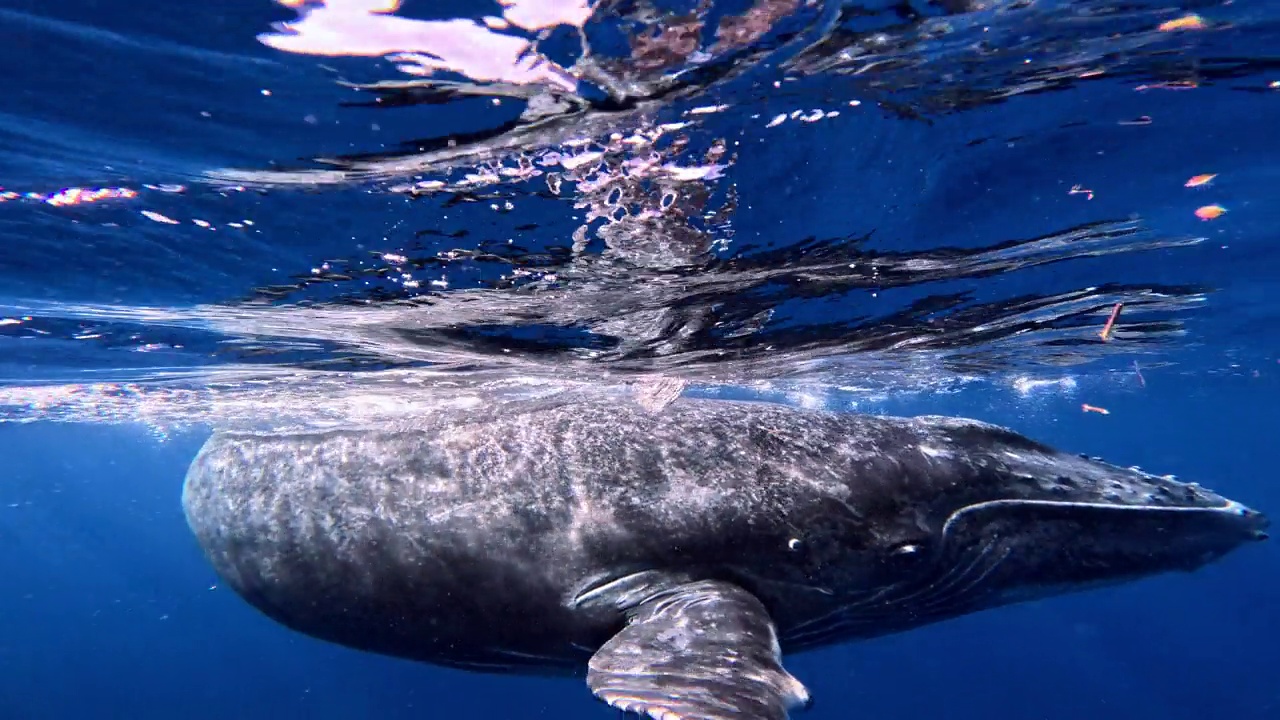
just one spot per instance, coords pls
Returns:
(1210, 212)
(1081, 190)
(1186, 22)
(1199, 180)
(79, 196)
(1107, 329)
(1093, 408)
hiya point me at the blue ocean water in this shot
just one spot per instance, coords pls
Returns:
(899, 208)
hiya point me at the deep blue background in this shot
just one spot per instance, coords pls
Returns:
(108, 609)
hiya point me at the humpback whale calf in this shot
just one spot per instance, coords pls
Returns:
(673, 557)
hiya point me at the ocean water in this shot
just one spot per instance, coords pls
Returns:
(297, 214)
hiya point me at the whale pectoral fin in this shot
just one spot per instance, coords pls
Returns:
(705, 650)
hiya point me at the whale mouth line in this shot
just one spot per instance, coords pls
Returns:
(1228, 507)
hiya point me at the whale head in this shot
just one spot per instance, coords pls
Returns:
(972, 516)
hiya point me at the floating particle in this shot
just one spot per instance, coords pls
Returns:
(1174, 85)
(1199, 180)
(1274, 85)
(1186, 22)
(704, 172)
(1086, 407)
(165, 188)
(202, 223)
(777, 120)
(80, 196)
(1140, 120)
(157, 217)
(1108, 328)
(1081, 190)
(1138, 371)
(1210, 212)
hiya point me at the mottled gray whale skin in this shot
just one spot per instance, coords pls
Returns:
(673, 555)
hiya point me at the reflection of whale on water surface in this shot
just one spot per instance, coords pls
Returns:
(641, 131)
(673, 554)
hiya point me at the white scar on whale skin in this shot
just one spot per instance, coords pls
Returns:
(934, 452)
